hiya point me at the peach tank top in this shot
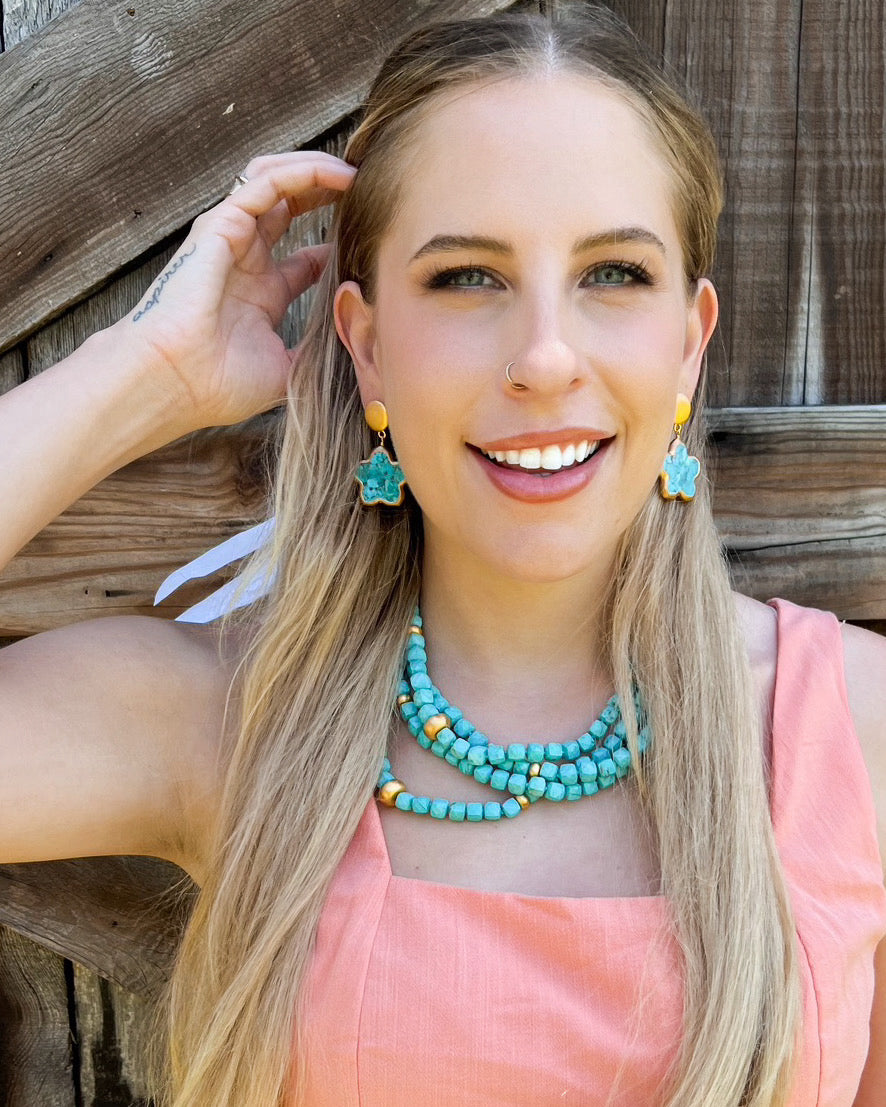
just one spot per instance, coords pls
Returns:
(427, 994)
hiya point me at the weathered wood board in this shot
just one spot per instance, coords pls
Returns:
(171, 81)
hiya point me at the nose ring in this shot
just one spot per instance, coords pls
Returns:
(516, 385)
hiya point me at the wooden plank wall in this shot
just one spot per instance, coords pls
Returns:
(794, 90)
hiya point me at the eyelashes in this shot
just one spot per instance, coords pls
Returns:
(616, 274)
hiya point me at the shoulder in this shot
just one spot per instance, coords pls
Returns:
(758, 624)
(864, 656)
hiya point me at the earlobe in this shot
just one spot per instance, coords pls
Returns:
(355, 323)
(703, 314)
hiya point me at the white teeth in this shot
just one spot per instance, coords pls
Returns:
(551, 458)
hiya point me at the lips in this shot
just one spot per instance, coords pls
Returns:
(544, 459)
(543, 468)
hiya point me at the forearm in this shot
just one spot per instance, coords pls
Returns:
(68, 428)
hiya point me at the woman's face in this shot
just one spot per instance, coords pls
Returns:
(535, 229)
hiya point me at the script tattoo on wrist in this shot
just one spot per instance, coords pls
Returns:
(161, 284)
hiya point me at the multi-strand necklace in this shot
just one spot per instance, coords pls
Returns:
(524, 772)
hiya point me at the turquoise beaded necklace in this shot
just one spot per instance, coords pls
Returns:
(528, 772)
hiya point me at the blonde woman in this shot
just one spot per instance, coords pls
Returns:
(624, 847)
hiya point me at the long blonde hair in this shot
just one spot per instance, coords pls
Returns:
(320, 676)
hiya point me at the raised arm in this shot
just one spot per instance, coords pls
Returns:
(109, 730)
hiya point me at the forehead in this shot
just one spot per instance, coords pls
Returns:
(550, 155)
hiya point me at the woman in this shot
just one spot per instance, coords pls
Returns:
(516, 296)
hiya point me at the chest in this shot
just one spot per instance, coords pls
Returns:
(598, 846)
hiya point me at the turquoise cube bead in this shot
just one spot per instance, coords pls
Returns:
(477, 755)
(622, 758)
(466, 767)
(589, 787)
(496, 753)
(420, 680)
(404, 801)
(477, 738)
(573, 792)
(426, 710)
(417, 652)
(511, 808)
(474, 812)
(572, 750)
(586, 742)
(606, 768)
(438, 749)
(483, 773)
(457, 812)
(600, 756)
(499, 780)
(408, 711)
(587, 770)
(598, 730)
(423, 740)
(506, 764)
(612, 743)
(404, 688)
(535, 787)
(455, 713)
(460, 747)
(548, 771)
(445, 737)
(441, 703)
(439, 808)
(621, 730)
(568, 774)
(555, 791)
(421, 805)
(416, 726)
(535, 752)
(555, 751)
(463, 728)
(516, 751)
(521, 767)
(609, 714)
(517, 784)
(451, 758)
(491, 810)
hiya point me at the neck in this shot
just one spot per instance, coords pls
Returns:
(519, 658)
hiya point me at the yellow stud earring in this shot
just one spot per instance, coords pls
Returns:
(680, 469)
(380, 477)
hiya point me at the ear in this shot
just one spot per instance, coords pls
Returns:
(703, 312)
(355, 323)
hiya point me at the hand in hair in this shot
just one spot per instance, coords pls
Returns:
(208, 323)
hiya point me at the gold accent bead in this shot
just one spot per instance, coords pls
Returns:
(403, 699)
(376, 415)
(434, 725)
(534, 769)
(415, 629)
(388, 793)
(523, 801)
(683, 411)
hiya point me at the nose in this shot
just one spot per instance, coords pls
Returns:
(546, 360)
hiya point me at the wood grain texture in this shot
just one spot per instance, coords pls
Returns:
(36, 1058)
(194, 89)
(838, 231)
(12, 370)
(21, 18)
(113, 1026)
(119, 916)
(800, 501)
(108, 553)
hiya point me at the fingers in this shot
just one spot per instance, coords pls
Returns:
(304, 268)
(304, 180)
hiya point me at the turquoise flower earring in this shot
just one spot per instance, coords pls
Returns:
(380, 478)
(680, 469)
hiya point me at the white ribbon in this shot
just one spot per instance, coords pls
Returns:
(231, 595)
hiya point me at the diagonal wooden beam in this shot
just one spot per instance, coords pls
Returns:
(121, 122)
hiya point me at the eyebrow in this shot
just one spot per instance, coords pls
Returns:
(447, 243)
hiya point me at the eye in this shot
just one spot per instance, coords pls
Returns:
(470, 276)
(614, 274)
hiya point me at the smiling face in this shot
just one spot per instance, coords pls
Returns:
(535, 233)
